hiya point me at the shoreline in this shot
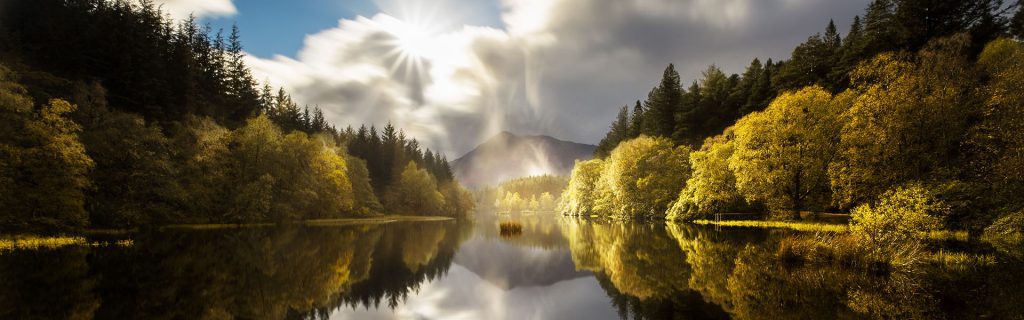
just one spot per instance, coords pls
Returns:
(29, 241)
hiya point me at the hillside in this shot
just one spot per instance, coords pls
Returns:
(506, 156)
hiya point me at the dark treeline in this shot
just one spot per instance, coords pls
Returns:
(688, 115)
(115, 116)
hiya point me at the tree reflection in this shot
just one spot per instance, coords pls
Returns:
(688, 271)
(257, 273)
(47, 284)
(643, 270)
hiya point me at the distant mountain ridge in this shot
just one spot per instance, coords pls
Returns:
(508, 156)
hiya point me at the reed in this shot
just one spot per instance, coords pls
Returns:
(510, 228)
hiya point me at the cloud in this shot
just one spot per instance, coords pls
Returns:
(557, 67)
(180, 9)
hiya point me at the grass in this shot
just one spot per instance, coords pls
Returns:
(938, 235)
(792, 225)
(941, 235)
(852, 250)
(959, 260)
(30, 242)
(33, 242)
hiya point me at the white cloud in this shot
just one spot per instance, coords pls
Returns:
(180, 9)
(559, 67)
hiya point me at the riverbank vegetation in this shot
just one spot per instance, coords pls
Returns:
(114, 116)
(911, 131)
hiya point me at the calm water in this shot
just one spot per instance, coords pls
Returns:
(554, 268)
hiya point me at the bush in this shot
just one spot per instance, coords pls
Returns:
(899, 215)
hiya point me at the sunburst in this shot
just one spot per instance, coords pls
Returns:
(413, 45)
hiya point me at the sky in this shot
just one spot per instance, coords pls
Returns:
(453, 73)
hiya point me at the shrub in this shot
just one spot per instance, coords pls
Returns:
(899, 215)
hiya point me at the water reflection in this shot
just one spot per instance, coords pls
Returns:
(556, 268)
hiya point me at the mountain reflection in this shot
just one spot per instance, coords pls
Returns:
(557, 268)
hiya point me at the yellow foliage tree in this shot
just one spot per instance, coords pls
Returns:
(581, 195)
(712, 187)
(782, 154)
(643, 176)
(999, 137)
(909, 119)
(900, 215)
(43, 165)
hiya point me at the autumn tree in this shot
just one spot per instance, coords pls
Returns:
(997, 138)
(782, 154)
(891, 134)
(43, 165)
(644, 175)
(712, 186)
(582, 193)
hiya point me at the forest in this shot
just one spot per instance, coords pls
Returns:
(162, 123)
(910, 123)
(534, 194)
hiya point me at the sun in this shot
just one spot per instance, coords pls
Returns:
(411, 46)
(413, 41)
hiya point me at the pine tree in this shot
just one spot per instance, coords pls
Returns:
(832, 39)
(240, 83)
(878, 28)
(749, 83)
(636, 121)
(617, 132)
(663, 103)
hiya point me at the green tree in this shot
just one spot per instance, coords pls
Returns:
(636, 121)
(618, 131)
(811, 62)
(749, 84)
(458, 201)
(366, 201)
(782, 154)
(414, 193)
(204, 168)
(135, 180)
(662, 104)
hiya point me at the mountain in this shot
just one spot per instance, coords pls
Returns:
(508, 156)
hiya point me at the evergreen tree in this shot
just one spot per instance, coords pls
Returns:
(751, 83)
(636, 121)
(618, 132)
(662, 104)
